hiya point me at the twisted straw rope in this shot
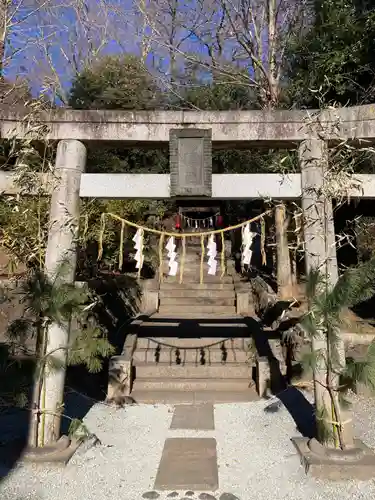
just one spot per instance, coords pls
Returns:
(188, 348)
(181, 235)
(163, 234)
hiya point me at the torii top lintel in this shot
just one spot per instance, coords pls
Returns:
(238, 128)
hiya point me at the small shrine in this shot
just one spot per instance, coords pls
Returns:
(206, 217)
(199, 219)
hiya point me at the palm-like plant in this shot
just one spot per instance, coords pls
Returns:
(322, 324)
(56, 301)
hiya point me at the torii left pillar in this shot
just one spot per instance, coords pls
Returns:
(61, 247)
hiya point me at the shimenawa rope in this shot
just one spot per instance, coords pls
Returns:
(183, 236)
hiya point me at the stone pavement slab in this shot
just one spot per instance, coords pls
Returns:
(188, 464)
(196, 417)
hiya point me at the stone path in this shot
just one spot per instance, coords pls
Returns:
(189, 463)
(196, 417)
(255, 458)
(189, 495)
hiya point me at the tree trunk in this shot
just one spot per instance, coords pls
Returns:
(284, 275)
(3, 34)
(273, 84)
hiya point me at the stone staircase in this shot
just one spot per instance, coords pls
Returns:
(195, 348)
(186, 360)
(190, 298)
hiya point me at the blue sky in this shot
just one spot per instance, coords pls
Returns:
(50, 44)
(49, 55)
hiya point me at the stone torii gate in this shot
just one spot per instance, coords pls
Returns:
(189, 135)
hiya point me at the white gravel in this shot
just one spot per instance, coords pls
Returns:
(256, 458)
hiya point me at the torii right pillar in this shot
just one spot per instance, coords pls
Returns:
(319, 231)
(320, 253)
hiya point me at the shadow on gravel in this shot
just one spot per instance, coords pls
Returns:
(299, 408)
(14, 425)
(16, 375)
(119, 299)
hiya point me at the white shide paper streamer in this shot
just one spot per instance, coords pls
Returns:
(247, 240)
(211, 254)
(138, 247)
(172, 255)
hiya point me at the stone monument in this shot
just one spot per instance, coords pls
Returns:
(190, 162)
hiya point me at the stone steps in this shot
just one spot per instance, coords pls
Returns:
(194, 277)
(189, 263)
(212, 286)
(195, 397)
(192, 310)
(192, 372)
(198, 302)
(188, 384)
(193, 267)
(211, 326)
(193, 314)
(187, 293)
(218, 373)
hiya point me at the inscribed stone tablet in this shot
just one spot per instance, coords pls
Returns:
(190, 162)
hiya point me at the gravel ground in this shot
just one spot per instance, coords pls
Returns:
(255, 457)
